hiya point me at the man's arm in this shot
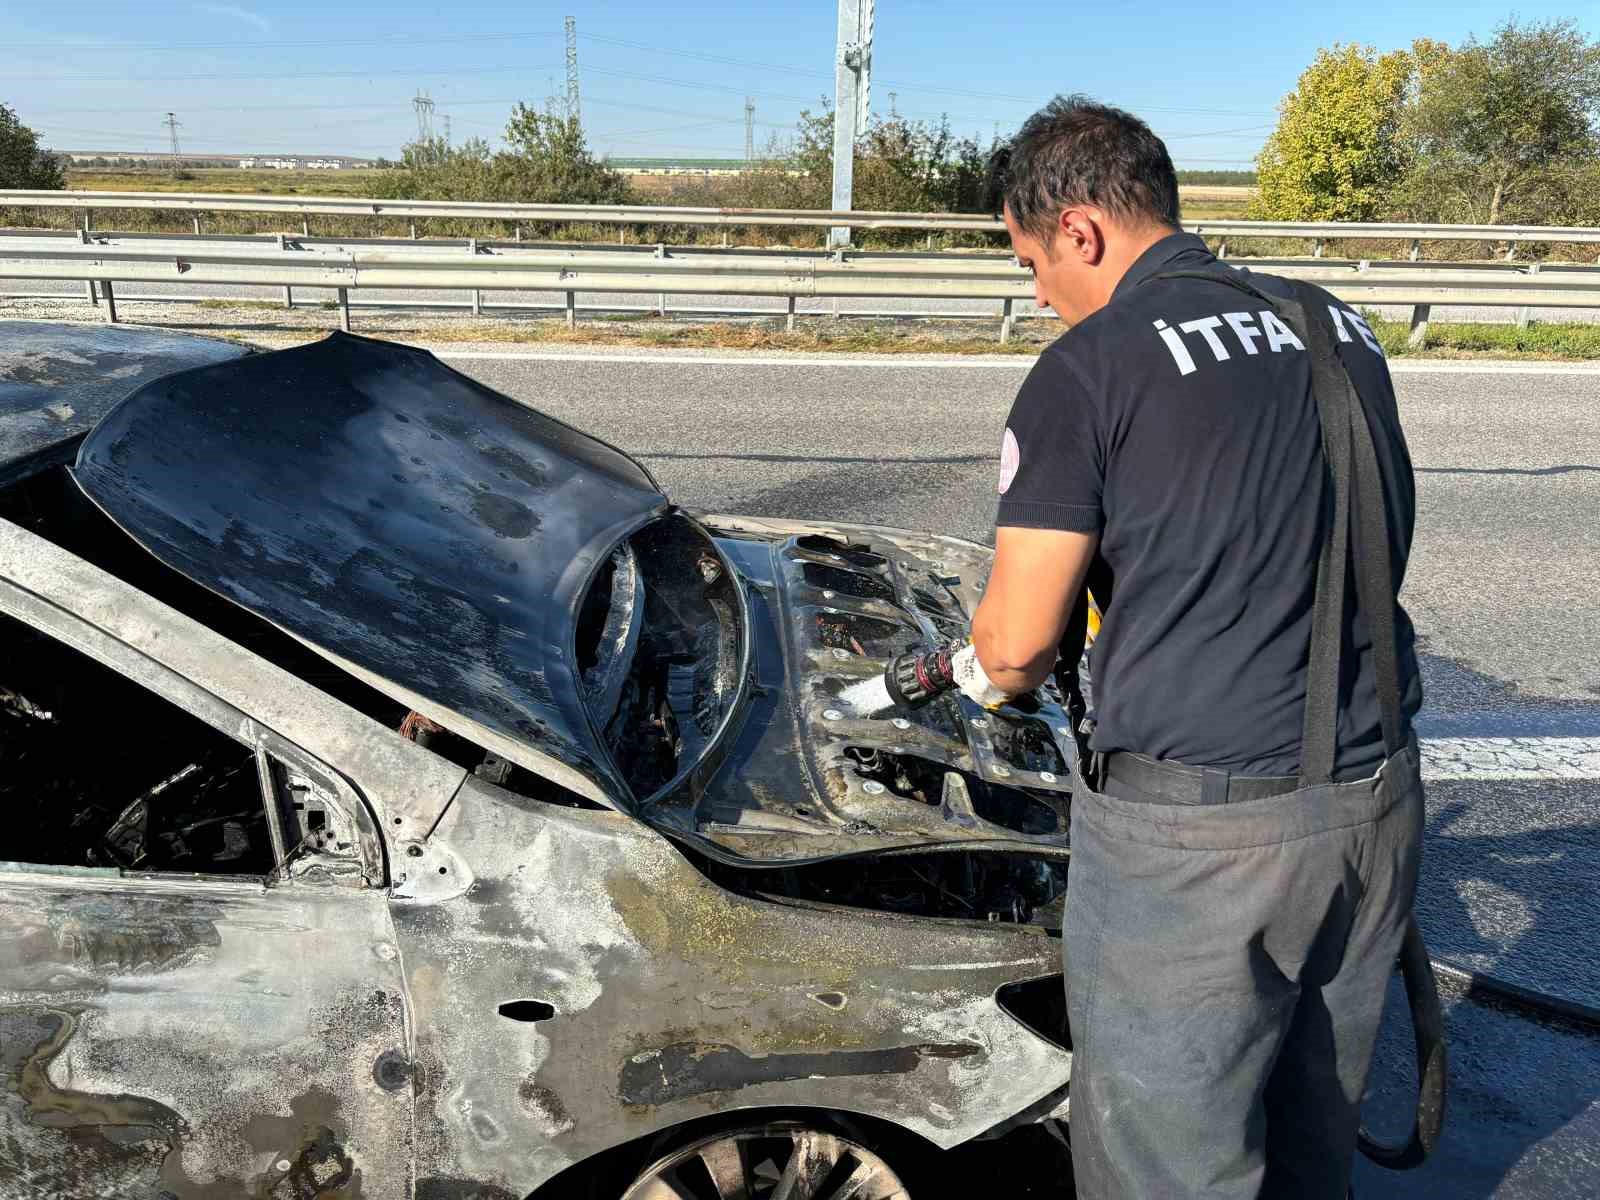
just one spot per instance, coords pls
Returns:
(1036, 578)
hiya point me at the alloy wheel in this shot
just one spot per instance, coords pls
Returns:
(782, 1161)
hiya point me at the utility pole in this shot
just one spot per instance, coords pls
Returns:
(574, 111)
(172, 123)
(424, 107)
(851, 97)
(447, 131)
(749, 131)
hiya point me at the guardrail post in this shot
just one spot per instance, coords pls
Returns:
(1006, 320)
(1416, 249)
(413, 231)
(1419, 326)
(724, 239)
(477, 294)
(86, 225)
(572, 309)
(788, 322)
(305, 225)
(197, 224)
(288, 292)
(1317, 248)
(661, 297)
(111, 301)
(1525, 313)
(519, 233)
(1222, 248)
(344, 309)
(83, 239)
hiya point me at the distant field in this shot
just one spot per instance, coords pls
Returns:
(350, 182)
(1216, 201)
(1201, 200)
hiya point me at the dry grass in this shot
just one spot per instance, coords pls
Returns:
(348, 182)
(855, 338)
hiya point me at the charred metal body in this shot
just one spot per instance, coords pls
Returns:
(541, 835)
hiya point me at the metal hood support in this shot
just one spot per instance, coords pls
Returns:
(403, 519)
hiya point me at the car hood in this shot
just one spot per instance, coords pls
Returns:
(57, 380)
(423, 531)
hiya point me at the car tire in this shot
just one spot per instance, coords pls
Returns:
(776, 1159)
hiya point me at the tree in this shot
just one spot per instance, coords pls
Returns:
(22, 163)
(1507, 127)
(1338, 150)
(548, 161)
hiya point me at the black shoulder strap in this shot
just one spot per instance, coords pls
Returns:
(1353, 465)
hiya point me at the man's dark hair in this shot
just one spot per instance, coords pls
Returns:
(1074, 151)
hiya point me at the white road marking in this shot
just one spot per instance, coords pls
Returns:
(1511, 758)
(904, 362)
(1453, 366)
(976, 362)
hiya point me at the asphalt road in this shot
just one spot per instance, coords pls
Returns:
(1504, 588)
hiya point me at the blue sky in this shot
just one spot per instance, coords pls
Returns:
(668, 77)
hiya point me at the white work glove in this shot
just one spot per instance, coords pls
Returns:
(973, 681)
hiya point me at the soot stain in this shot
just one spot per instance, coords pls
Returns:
(505, 516)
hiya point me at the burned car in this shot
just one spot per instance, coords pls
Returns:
(407, 799)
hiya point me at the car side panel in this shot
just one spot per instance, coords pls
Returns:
(168, 1038)
(673, 999)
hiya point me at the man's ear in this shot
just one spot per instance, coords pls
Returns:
(1080, 232)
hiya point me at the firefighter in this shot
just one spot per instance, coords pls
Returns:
(1246, 824)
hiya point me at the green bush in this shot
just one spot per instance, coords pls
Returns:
(23, 164)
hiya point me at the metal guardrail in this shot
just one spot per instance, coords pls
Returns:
(305, 207)
(475, 267)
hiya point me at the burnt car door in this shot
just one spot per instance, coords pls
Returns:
(199, 993)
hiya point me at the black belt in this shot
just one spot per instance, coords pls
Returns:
(1174, 783)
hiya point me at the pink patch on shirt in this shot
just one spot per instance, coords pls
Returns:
(1010, 460)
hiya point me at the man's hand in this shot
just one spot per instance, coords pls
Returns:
(1036, 578)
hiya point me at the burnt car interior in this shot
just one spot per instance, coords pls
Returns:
(95, 771)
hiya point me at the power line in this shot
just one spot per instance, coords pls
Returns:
(928, 89)
(404, 39)
(430, 69)
(430, 40)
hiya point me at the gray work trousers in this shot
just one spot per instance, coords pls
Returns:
(1226, 972)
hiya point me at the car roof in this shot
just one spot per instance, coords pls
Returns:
(58, 379)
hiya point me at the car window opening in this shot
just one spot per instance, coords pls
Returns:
(96, 771)
(50, 505)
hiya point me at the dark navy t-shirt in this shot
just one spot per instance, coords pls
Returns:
(1178, 423)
